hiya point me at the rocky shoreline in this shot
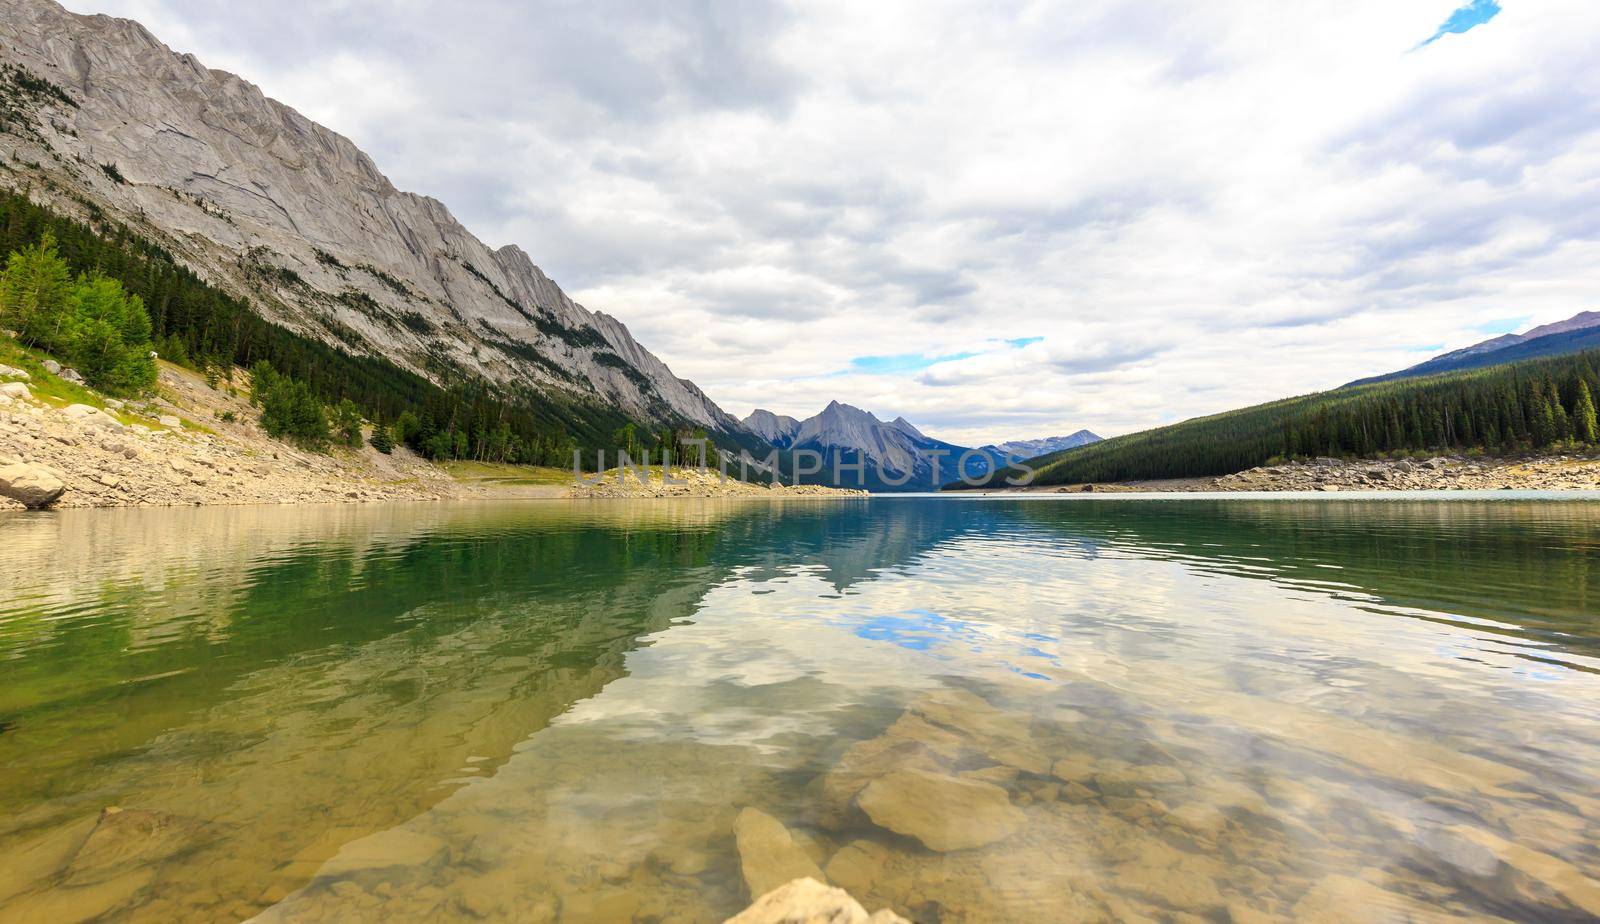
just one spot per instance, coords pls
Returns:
(1553, 472)
(196, 443)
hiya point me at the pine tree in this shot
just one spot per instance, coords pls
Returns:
(34, 290)
(381, 440)
(1544, 420)
(347, 422)
(1585, 428)
(1563, 426)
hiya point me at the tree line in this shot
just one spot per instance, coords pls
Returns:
(201, 327)
(1536, 404)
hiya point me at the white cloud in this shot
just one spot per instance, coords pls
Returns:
(1196, 208)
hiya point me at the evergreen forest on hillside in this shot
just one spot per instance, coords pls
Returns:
(1532, 405)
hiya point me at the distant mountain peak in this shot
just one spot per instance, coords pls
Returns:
(777, 429)
(1032, 449)
(905, 426)
(1581, 331)
(1580, 321)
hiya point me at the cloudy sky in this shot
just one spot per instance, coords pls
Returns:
(1000, 219)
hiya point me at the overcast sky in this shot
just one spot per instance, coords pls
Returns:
(1001, 220)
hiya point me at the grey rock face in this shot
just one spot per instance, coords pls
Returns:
(776, 429)
(267, 204)
(896, 450)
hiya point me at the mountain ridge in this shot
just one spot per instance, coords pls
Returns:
(289, 214)
(1579, 332)
(896, 455)
(897, 446)
(1033, 449)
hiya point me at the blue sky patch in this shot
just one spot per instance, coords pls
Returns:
(1502, 326)
(901, 363)
(1474, 14)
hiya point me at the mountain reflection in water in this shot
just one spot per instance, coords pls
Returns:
(555, 711)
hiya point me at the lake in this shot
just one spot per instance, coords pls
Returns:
(966, 709)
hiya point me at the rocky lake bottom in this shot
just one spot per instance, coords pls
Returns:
(960, 709)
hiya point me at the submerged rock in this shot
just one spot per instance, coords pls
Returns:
(125, 840)
(1533, 870)
(949, 733)
(768, 854)
(1338, 898)
(807, 901)
(384, 850)
(33, 486)
(861, 764)
(945, 813)
(1001, 736)
(116, 862)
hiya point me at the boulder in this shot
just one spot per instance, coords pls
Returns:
(52, 367)
(169, 421)
(91, 415)
(807, 901)
(14, 390)
(861, 764)
(33, 486)
(12, 372)
(945, 813)
(768, 855)
(72, 375)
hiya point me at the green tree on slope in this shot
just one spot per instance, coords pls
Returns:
(91, 322)
(1585, 428)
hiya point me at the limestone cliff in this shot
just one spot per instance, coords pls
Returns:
(262, 201)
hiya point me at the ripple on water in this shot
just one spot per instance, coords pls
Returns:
(960, 710)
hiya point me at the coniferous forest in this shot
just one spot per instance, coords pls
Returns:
(1532, 405)
(199, 326)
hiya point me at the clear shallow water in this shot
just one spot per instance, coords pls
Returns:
(554, 711)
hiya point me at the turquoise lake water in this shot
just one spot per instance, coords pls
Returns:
(966, 709)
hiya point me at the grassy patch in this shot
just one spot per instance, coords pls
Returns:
(493, 473)
(58, 393)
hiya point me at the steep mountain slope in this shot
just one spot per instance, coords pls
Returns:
(1579, 332)
(895, 455)
(291, 216)
(776, 429)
